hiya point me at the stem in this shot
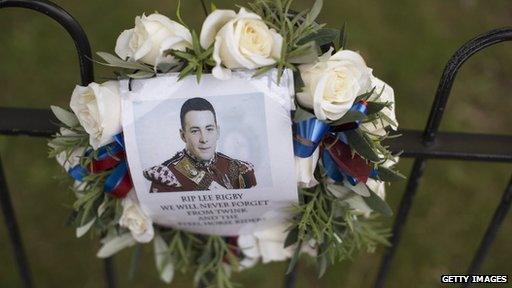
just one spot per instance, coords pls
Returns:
(204, 8)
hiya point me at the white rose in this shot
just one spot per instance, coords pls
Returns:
(151, 36)
(241, 40)
(388, 95)
(333, 83)
(305, 169)
(98, 108)
(133, 218)
(267, 245)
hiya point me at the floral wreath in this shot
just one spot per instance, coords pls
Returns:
(342, 116)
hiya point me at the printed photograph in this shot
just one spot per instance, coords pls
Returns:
(207, 143)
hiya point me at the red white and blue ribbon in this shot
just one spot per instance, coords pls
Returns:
(108, 157)
(336, 154)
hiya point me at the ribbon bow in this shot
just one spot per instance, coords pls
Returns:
(111, 156)
(336, 154)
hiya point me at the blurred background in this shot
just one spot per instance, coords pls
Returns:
(407, 43)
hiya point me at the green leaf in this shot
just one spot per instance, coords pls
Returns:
(195, 43)
(141, 74)
(306, 53)
(66, 117)
(362, 145)
(365, 96)
(343, 37)
(374, 107)
(322, 263)
(389, 175)
(212, 7)
(292, 237)
(262, 70)
(165, 67)
(315, 10)
(301, 115)
(118, 62)
(377, 204)
(349, 117)
(322, 37)
(295, 258)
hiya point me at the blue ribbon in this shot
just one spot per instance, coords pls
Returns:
(116, 177)
(331, 168)
(307, 136)
(78, 172)
(119, 139)
(109, 150)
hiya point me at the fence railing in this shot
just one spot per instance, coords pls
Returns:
(420, 145)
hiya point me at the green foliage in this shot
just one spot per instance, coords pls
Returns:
(195, 61)
(377, 204)
(338, 231)
(294, 28)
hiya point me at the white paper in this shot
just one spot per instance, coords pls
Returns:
(253, 131)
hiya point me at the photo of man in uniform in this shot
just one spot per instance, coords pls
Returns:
(199, 166)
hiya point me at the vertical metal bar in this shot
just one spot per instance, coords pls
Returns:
(403, 211)
(291, 278)
(14, 232)
(492, 230)
(110, 272)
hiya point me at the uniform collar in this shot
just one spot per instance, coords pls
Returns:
(198, 163)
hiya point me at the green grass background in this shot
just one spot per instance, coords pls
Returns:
(407, 43)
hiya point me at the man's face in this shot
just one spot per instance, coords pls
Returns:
(200, 134)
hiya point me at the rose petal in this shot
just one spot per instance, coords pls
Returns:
(218, 71)
(229, 50)
(176, 28)
(213, 24)
(123, 44)
(277, 44)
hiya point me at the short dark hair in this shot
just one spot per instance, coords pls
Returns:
(196, 104)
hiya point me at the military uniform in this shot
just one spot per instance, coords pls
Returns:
(184, 172)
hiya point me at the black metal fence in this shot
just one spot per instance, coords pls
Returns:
(420, 145)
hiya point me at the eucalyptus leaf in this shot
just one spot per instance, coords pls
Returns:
(322, 263)
(262, 71)
(165, 67)
(80, 231)
(295, 258)
(163, 261)
(117, 62)
(377, 204)
(65, 116)
(315, 11)
(307, 53)
(141, 75)
(322, 37)
(389, 175)
(115, 245)
(292, 237)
